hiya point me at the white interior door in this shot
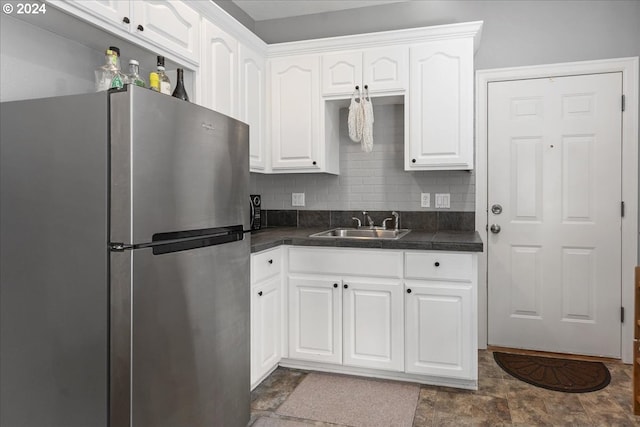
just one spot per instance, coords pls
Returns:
(554, 167)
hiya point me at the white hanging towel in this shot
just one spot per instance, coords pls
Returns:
(356, 117)
(367, 125)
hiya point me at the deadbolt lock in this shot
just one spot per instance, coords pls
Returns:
(496, 209)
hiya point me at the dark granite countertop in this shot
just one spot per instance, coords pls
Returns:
(466, 241)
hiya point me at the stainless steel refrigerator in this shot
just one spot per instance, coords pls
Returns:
(124, 266)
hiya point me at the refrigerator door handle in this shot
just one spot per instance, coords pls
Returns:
(119, 247)
(176, 241)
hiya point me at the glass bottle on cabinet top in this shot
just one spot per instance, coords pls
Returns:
(180, 91)
(163, 79)
(109, 75)
(134, 74)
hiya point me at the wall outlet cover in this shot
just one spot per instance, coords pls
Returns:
(297, 199)
(425, 200)
(443, 200)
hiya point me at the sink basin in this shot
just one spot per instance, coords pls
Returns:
(362, 233)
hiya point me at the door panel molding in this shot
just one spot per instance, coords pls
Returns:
(629, 68)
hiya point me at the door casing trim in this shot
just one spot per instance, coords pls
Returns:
(630, 160)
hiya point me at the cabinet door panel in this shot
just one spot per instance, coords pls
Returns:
(220, 70)
(386, 69)
(169, 24)
(438, 330)
(266, 325)
(373, 324)
(295, 113)
(315, 319)
(341, 72)
(111, 11)
(441, 106)
(253, 104)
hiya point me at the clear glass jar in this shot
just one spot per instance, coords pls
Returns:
(134, 74)
(109, 75)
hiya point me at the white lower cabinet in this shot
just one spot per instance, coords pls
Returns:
(438, 329)
(398, 314)
(315, 319)
(266, 313)
(373, 317)
(354, 321)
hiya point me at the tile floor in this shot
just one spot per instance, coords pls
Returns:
(500, 401)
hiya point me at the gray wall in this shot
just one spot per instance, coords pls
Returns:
(522, 32)
(35, 63)
(368, 181)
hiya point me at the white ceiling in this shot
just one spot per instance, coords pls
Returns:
(260, 10)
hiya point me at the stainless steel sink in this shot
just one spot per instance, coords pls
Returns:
(362, 233)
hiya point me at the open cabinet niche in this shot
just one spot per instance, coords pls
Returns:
(334, 109)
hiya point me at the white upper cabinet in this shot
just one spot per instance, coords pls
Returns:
(295, 114)
(161, 25)
(110, 11)
(219, 70)
(441, 106)
(381, 69)
(170, 24)
(253, 104)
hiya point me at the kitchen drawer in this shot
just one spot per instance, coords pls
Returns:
(265, 264)
(356, 262)
(439, 266)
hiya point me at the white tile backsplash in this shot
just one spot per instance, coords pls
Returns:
(371, 181)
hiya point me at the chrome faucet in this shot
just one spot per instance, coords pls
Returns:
(367, 218)
(359, 223)
(394, 219)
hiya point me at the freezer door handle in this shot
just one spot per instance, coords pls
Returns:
(119, 247)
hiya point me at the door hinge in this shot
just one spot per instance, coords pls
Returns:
(621, 314)
(622, 209)
(623, 99)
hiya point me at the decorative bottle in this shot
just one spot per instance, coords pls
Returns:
(134, 74)
(109, 75)
(163, 79)
(179, 91)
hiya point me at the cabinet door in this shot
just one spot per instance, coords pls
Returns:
(110, 11)
(315, 319)
(439, 339)
(441, 106)
(265, 327)
(373, 313)
(169, 24)
(386, 69)
(220, 70)
(341, 72)
(253, 104)
(295, 114)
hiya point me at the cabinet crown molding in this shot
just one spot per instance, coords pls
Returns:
(378, 39)
(214, 13)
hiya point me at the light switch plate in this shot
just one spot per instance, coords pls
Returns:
(425, 200)
(297, 199)
(443, 200)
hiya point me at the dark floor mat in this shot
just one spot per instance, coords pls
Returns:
(569, 376)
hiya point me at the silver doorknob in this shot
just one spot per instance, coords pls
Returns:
(495, 228)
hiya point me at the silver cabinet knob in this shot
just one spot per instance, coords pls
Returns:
(495, 228)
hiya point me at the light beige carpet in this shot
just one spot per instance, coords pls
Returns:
(352, 401)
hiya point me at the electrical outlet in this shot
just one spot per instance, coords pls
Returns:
(443, 200)
(425, 200)
(297, 199)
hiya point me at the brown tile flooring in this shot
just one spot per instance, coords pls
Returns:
(500, 401)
